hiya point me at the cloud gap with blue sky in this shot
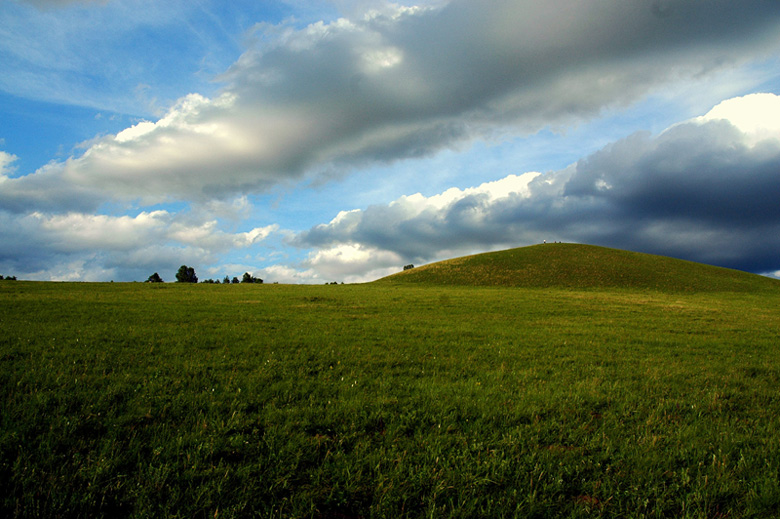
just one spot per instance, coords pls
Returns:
(309, 141)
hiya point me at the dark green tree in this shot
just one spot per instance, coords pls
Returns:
(248, 278)
(226, 281)
(235, 280)
(154, 278)
(186, 275)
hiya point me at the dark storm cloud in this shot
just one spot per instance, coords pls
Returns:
(692, 172)
(703, 191)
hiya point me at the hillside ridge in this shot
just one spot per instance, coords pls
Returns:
(568, 265)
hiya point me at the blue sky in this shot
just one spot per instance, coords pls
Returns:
(310, 141)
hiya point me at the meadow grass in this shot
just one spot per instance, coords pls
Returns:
(387, 400)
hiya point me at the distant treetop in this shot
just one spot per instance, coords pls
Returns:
(248, 278)
(154, 278)
(186, 275)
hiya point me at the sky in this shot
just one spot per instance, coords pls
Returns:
(311, 141)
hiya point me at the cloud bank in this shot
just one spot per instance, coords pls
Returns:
(400, 83)
(90, 247)
(704, 190)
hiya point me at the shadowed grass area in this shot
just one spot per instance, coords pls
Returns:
(387, 400)
(568, 265)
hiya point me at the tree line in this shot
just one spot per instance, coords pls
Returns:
(187, 275)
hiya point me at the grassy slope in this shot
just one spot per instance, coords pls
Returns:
(388, 400)
(582, 266)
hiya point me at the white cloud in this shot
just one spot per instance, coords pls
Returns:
(286, 274)
(42, 245)
(6, 159)
(341, 264)
(74, 270)
(46, 190)
(75, 232)
(416, 227)
(352, 263)
(755, 115)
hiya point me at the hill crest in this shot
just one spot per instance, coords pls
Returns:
(567, 265)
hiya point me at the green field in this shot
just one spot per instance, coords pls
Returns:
(427, 394)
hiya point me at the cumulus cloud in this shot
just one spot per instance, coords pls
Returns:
(6, 159)
(290, 275)
(407, 82)
(757, 116)
(417, 228)
(42, 246)
(46, 190)
(352, 263)
(347, 263)
(704, 190)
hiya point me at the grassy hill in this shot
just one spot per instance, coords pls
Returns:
(565, 265)
(391, 399)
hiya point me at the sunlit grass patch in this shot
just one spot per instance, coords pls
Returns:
(380, 400)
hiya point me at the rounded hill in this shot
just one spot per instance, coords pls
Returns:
(566, 265)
